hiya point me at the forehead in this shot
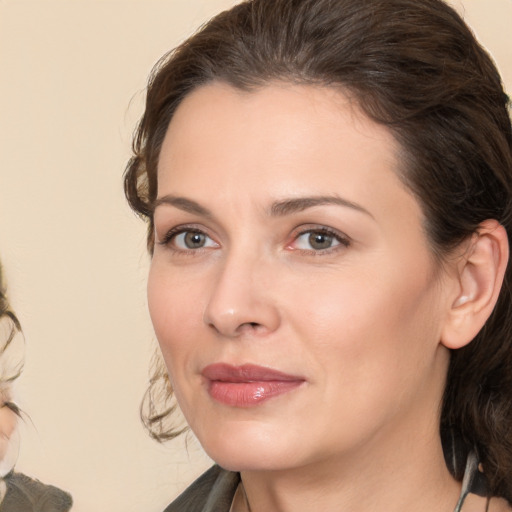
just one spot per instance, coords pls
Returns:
(281, 138)
(218, 127)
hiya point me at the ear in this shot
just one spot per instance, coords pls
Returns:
(479, 275)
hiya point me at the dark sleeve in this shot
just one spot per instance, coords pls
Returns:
(213, 491)
(25, 494)
(54, 500)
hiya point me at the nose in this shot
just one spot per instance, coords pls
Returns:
(241, 300)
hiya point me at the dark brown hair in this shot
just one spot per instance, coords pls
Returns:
(415, 67)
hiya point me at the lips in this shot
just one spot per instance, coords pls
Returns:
(247, 385)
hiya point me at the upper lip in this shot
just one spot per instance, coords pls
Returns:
(245, 373)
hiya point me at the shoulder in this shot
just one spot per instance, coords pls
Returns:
(213, 491)
(34, 495)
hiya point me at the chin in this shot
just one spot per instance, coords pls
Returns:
(256, 460)
(246, 449)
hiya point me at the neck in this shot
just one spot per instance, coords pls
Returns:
(410, 476)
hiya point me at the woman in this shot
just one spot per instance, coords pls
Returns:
(18, 492)
(11, 365)
(327, 185)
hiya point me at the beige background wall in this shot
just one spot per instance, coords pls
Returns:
(72, 74)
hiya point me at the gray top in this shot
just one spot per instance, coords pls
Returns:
(214, 490)
(25, 494)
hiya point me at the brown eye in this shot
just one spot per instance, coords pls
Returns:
(194, 240)
(189, 240)
(319, 241)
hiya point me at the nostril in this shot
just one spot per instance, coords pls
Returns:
(248, 327)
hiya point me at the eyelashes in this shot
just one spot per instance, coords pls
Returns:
(311, 240)
(319, 239)
(188, 239)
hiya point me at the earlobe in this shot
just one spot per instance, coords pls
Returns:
(480, 275)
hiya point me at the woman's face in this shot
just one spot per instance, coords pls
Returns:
(292, 289)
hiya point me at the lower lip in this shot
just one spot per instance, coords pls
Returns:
(249, 394)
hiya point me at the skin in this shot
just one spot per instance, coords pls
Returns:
(8, 420)
(361, 321)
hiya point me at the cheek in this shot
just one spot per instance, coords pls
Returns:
(371, 323)
(8, 422)
(175, 313)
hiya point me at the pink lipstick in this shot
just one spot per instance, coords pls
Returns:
(247, 385)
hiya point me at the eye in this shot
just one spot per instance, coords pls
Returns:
(183, 239)
(191, 240)
(319, 240)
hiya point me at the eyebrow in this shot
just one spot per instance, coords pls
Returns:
(182, 203)
(299, 204)
(277, 209)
